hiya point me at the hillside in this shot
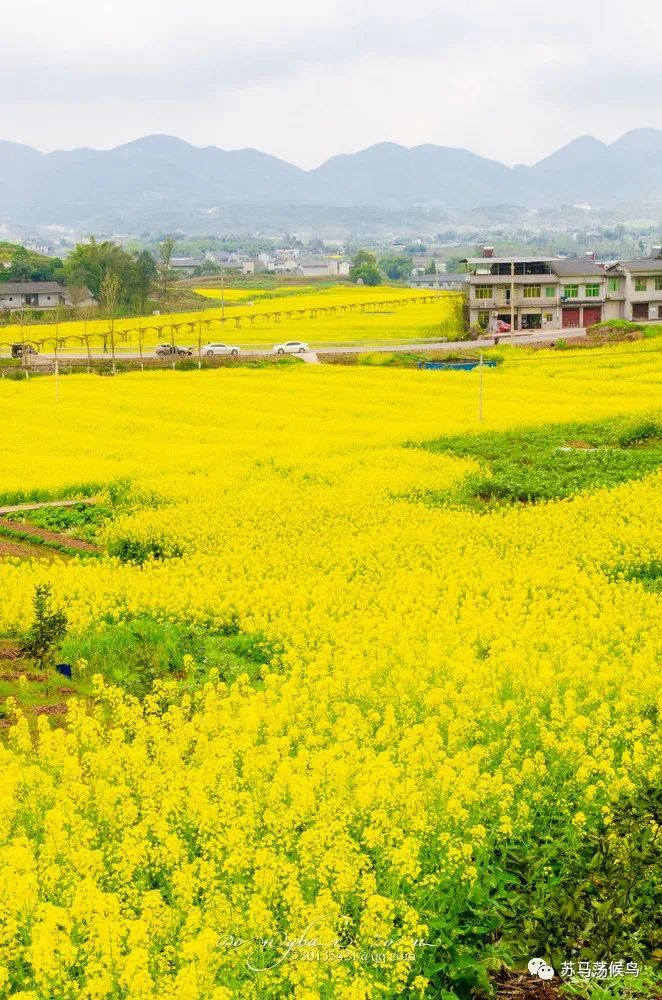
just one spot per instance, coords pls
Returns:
(19, 264)
(162, 181)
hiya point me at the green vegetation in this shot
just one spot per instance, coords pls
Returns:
(90, 264)
(648, 574)
(139, 550)
(364, 269)
(80, 521)
(135, 652)
(46, 632)
(548, 463)
(19, 264)
(396, 268)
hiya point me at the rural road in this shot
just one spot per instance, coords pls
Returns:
(540, 337)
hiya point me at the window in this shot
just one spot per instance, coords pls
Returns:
(531, 291)
(483, 291)
(571, 291)
(549, 317)
(483, 318)
(614, 284)
(658, 284)
(592, 291)
(640, 284)
(550, 291)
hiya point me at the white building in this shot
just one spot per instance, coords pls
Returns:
(41, 295)
(634, 289)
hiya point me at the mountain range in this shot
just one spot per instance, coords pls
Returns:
(159, 178)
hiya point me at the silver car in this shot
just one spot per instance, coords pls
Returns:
(291, 347)
(212, 349)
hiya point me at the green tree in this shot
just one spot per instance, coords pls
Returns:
(454, 264)
(21, 265)
(144, 276)
(396, 268)
(364, 268)
(431, 267)
(88, 263)
(45, 634)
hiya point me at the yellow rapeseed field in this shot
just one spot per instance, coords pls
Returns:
(253, 321)
(450, 683)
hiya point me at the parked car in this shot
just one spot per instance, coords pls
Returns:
(164, 350)
(291, 347)
(502, 326)
(20, 350)
(212, 349)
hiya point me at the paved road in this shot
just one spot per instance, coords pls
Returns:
(538, 337)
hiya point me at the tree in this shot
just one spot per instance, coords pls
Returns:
(396, 268)
(21, 266)
(45, 634)
(364, 268)
(454, 264)
(109, 297)
(208, 268)
(165, 273)
(88, 263)
(144, 276)
(431, 268)
(77, 295)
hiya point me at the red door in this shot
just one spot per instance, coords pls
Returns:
(592, 314)
(640, 310)
(571, 318)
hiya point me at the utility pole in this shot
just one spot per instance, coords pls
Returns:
(57, 374)
(222, 293)
(512, 298)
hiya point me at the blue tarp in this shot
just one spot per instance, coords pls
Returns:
(452, 366)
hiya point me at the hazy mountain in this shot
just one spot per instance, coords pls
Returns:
(160, 180)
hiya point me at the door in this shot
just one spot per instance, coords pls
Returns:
(592, 314)
(640, 310)
(570, 318)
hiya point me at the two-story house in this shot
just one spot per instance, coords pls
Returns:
(519, 289)
(635, 289)
(535, 293)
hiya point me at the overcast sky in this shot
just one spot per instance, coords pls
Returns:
(305, 79)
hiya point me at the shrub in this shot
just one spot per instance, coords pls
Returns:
(138, 551)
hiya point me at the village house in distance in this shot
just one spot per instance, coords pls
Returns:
(42, 295)
(562, 293)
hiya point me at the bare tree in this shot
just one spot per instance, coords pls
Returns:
(77, 295)
(164, 268)
(109, 296)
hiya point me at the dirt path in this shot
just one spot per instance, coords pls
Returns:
(18, 507)
(23, 550)
(49, 537)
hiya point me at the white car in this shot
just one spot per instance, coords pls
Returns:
(291, 347)
(211, 349)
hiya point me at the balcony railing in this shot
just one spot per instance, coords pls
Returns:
(518, 303)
